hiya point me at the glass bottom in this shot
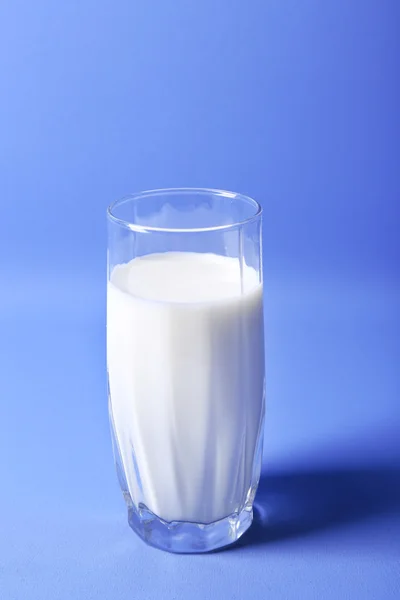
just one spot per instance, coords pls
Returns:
(183, 537)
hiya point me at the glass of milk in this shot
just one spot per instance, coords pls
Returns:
(185, 359)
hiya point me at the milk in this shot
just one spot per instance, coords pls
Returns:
(185, 358)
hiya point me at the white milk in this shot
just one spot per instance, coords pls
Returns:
(186, 373)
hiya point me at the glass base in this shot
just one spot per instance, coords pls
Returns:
(183, 537)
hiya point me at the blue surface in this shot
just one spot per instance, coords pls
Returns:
(294, 103)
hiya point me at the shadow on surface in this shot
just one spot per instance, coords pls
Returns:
(298, 503)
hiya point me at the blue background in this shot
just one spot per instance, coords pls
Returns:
(294, 102)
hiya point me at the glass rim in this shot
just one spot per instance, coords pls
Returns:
(183, 190)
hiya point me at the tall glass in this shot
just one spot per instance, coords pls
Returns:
(185, 359)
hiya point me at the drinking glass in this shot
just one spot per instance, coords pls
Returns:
(185, 361)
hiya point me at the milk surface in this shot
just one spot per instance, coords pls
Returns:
(185, 356)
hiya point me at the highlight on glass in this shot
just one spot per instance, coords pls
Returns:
(185, 360)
